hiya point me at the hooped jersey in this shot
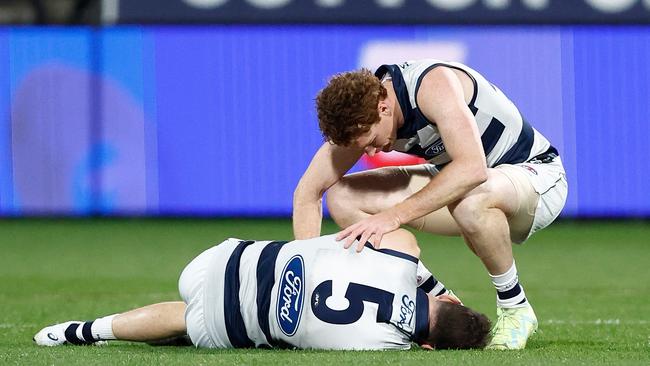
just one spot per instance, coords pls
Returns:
(316, 294)
(506, 136)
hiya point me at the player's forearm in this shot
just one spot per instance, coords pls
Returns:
(307, 217)
(448, 186)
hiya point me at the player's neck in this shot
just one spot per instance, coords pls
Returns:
(433, 311)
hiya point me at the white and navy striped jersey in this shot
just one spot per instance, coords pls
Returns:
(316, 294)
(506, 136)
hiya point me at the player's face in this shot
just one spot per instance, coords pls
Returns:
(381, 135)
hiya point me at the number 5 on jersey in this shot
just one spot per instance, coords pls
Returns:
(356, 294)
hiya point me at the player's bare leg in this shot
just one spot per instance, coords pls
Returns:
(357, 196)
(483, 217)
(150, 323)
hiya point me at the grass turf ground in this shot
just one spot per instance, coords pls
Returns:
(589, 283)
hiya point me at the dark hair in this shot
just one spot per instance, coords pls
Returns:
(347, 106)
(458, 327)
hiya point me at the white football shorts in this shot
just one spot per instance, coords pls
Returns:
(549, 182)
(203, 306)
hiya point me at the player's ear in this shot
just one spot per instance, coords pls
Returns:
(448, 298)
(383, 107)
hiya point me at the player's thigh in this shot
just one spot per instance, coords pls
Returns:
(549, 182)
(439, 222)
(522, 204)
(374, 190)
(509, 190)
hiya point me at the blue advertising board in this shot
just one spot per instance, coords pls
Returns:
(220, 120)
(467, 12)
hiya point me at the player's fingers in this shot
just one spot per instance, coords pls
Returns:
(347, 242)
(372, 241)
(343, 236)
(364, 238)
(359, 247)
(344, 233)
(349, 238)
(378, 236)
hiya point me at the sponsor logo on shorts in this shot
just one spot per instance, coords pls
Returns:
(291, 293)
(436, 149)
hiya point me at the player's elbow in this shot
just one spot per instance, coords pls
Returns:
(480, 174)
(305, 194)
(475, 174)
(471, 169)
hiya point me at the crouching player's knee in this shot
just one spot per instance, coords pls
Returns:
(342, 205)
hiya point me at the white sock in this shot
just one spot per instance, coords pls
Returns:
(427, 282)
(102, 328)
(510, 294)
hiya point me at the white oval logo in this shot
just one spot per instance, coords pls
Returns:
(291, 293)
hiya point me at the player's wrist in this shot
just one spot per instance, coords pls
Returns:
(401, 215)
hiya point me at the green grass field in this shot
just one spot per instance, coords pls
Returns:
(588, 281)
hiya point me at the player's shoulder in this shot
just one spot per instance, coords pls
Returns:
(402, 247)
(409, 70)
(323, 239)
(438, 76)
(402, 241)
(396, 255)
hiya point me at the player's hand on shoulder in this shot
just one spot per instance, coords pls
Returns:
(374, 226)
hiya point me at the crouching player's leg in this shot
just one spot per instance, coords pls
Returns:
(359, 195)
(147, 324)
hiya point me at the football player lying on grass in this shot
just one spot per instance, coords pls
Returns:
(310, 294)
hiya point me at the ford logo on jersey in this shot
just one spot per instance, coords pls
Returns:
(406, 312)
(290, 295)
(436, 149)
